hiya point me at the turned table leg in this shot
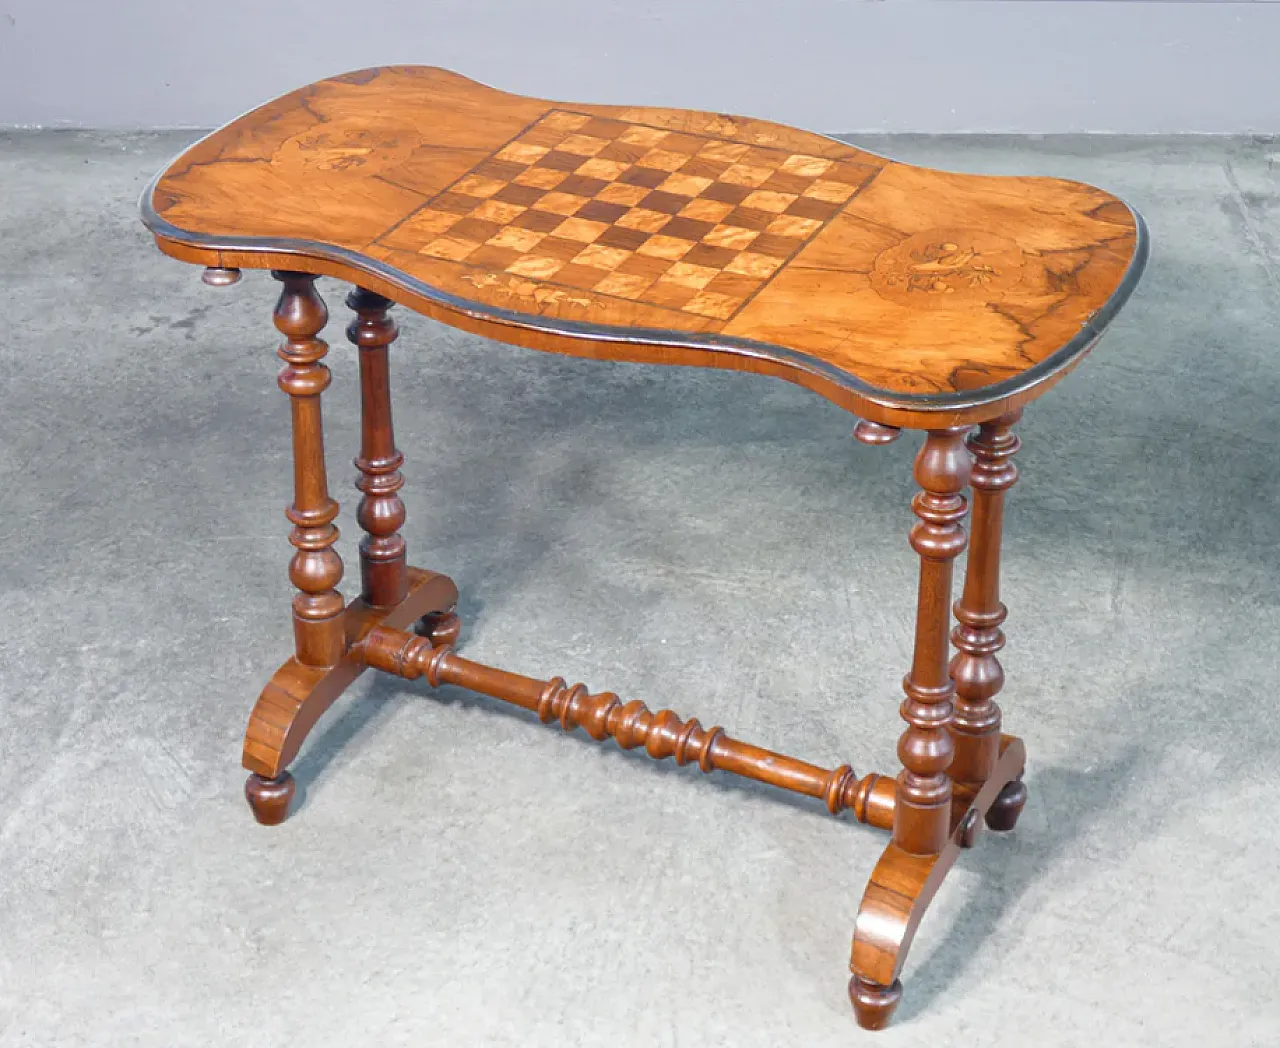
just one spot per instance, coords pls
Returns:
(383, 573)
(922, 816)
(975, 668)
(922, 820)
(383, 560)
(316, 569)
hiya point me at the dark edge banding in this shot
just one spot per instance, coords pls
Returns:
(959, 400)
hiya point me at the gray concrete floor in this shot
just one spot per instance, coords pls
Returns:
(459, 875)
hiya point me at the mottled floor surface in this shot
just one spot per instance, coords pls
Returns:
(459, 875)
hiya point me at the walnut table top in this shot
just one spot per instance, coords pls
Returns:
(910, 296)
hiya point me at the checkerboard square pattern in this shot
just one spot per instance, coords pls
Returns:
(671, 219)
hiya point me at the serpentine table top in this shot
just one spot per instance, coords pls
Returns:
(912, 297)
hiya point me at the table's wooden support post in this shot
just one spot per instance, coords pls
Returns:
(922, 815)
(922, 820)
(975, 668)
(316, 569)
(384, 580)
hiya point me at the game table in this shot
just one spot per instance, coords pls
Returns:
(913, 298)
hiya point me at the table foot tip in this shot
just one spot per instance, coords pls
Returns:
(1003, 814)
(873, 1004)
(269, 799)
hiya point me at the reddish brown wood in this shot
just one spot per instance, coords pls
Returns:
(898, 896)
(381, 514)
(967, 834)
(315, 569)
(975, 668)
(297, 695)
(441, 628)
(631, 725)
(667, 236)
(874, 1004)
(924, 790)
(1003, 814)
(913, 298)
(269, 799)
(874, 433)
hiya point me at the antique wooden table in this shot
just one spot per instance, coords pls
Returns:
(913, 298)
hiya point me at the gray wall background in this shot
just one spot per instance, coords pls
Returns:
(830, 65)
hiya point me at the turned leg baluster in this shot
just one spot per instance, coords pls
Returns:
(922, 821)
(922, 815)
(316, 569)
(975, 668)
(382, 550)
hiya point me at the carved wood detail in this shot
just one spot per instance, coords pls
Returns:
(874, 434)
(977, 636)
(631, 725)
(298, 695)
(899, 893)
(217, 276)
(316, 569)
(381, 513)
(924, 788)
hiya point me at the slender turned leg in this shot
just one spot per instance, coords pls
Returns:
(922, 820)
(383, 573)
(383, 565)
(316, 570)
(975, 669)
(922, 817)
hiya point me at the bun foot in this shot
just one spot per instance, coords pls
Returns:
(1002, 816)
(269, 798)
(441, 627)
(873, 1004)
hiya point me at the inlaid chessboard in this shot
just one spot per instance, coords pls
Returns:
(678, 220)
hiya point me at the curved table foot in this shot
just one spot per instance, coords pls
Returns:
(297, 695)
(901, 888)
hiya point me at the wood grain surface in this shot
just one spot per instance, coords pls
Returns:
(912, 296)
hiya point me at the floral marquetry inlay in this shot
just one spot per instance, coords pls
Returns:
(526, 289)
(941, 266)
(343, 149)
